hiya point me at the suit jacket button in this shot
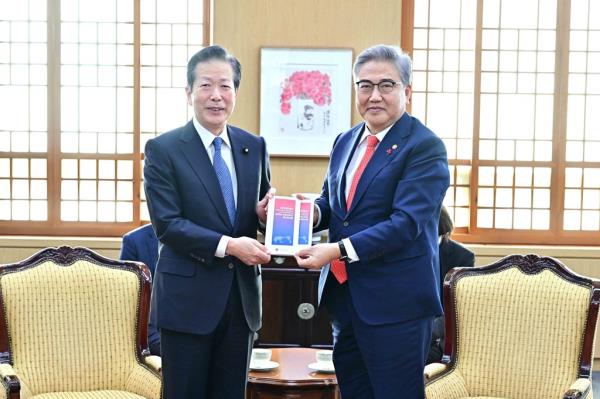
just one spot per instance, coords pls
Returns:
(346, 224)
(230, 266)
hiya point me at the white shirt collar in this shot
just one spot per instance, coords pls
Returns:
(207, 137)
(380, 135)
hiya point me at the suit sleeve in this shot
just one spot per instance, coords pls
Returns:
(469, 260)
(265, 178)
(453, 254)
(418, 193)
(323, 203)
(465, 257)
(165, 208)
(128, 251)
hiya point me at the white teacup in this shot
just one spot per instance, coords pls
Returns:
(260, 355)
(324, 356)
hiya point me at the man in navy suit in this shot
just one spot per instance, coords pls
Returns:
(203, 182)
(381, 201)
(141, 245)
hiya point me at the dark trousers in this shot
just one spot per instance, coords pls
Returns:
(212, 366)
(376, 361)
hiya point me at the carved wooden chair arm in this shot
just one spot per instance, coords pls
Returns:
(444, 383)
(432, 370)
(10, 382)
(579, 390)
(144, 381)
(154, 362)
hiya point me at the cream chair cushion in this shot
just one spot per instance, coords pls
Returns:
(73, 330)
(518, 335)
(89, 395)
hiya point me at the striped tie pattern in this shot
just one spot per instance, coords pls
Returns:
(224, 178)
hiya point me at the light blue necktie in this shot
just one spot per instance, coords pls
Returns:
(224, 178)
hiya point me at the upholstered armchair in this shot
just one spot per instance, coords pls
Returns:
(520, 328)
(73, 325)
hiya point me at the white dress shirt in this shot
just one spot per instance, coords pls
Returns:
(351, 170)
(207, 139)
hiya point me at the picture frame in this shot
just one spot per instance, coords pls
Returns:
(305, 99)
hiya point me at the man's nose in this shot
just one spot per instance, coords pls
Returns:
(375, 94)
(215, 94)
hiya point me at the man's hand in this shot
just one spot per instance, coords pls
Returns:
(315, 212)
(262, 205)
(248, 250)
(317, 256)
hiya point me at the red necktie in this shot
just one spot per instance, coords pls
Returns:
(338, 267)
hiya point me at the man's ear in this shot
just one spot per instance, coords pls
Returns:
(408, 93)
(188, 93)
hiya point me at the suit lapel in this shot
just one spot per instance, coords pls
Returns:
(383, 155)
(243, 166)
(345, 160)
(193, 149)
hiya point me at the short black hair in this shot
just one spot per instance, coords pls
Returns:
(445, 225)
(208, 54)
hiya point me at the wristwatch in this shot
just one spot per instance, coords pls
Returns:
(343, 252)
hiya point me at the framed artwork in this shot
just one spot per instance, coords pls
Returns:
(305, 99)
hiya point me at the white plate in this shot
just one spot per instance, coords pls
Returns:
(322, 367)
(263, 366)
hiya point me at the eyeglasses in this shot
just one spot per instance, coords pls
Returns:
(385, 86)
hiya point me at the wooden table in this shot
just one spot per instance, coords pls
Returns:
(292, 379)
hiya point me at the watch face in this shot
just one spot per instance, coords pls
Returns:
(343, 253)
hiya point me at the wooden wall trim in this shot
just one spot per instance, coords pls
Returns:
(487, 250)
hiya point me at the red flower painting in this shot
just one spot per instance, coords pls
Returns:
(305, 84)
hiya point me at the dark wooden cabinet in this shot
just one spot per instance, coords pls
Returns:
(290, 316)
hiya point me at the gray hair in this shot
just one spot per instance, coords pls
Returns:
(211, 53)
(392, 54)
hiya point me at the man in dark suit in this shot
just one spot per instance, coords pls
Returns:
(141, 245)
(381, 201)
(452, 254)
(203, 182)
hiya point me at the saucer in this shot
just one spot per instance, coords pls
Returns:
(263, 366)
(322, 367)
